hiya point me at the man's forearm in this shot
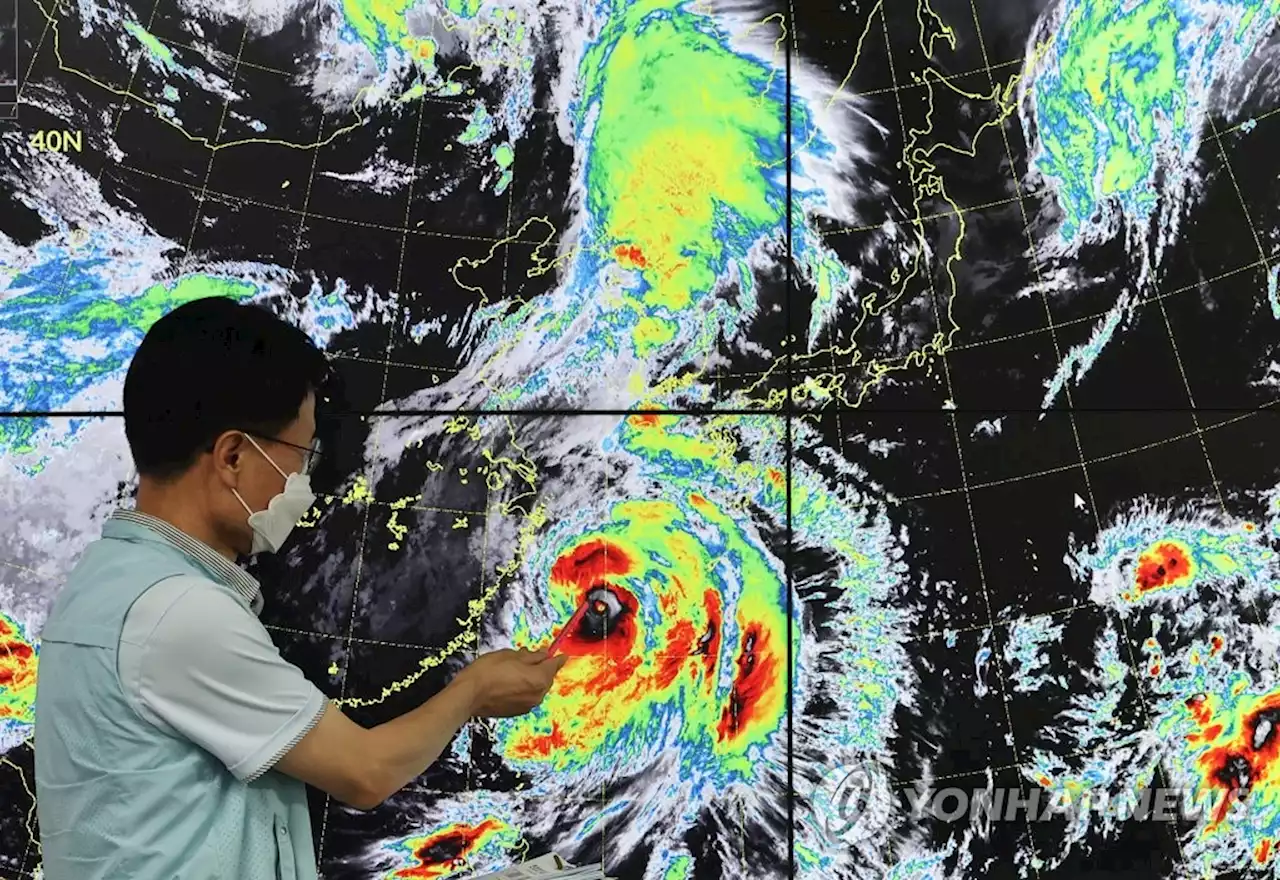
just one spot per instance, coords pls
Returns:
(401, 749)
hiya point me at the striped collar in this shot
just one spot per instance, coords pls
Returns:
(245, 585)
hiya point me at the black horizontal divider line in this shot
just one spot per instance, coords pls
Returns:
(782, 412)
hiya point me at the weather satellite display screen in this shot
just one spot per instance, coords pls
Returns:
(894, 383)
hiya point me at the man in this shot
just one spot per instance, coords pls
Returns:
(172, 739)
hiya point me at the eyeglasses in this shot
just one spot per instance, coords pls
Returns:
(309, 459)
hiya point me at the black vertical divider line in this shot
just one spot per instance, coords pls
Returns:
(788, 41)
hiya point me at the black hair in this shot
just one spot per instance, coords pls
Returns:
(213, 365)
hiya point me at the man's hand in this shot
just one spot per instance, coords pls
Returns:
(509, 682)
(363, 767)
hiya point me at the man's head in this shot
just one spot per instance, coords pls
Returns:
(216, 393)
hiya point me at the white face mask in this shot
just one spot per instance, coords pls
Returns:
(272, 526)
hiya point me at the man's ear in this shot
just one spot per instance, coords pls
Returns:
(226, 454)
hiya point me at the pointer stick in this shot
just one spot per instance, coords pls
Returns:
(573, 621)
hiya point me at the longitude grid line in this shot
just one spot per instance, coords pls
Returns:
(364, 524)
(964, 474)
(402, 310)
(195, 222)
(66, 278)
(484, 563)
(604, 794)
(946, 368)
(346, 665)
(306, 198)
(213, 153)
(31, 810)
(115, 125)
(789, 439)
(506, 230)
(488, 503)
(35, 54)
(1177, 356)
(17, 85)
(1093, 504)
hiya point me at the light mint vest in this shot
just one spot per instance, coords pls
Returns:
(117, 797)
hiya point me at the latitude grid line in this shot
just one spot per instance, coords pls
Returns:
(364, 224)
(1219, 134)
(717, 377)
(964, 478)
(1271, 408)
(1093, 504)
(988, 772)
(924, 218)
(708, 3)
(902, 499)
(1022, 334)
(999, 623)
(355, 640)
(202, 50)
(1109, 456)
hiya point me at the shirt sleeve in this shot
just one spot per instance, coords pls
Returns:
(198, 662)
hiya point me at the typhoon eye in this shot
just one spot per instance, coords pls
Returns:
(604, 612)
